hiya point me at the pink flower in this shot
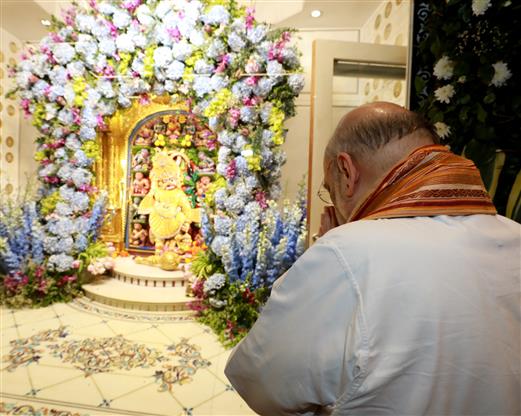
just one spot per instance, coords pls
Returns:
(234, 116)
(260, 197)
(25, 103)
(231, 170)
(76, 116)
(55, 37)
(76, 264)
(101, 122)
(250, 18)
(112, 27)
(131, 5)
(144, 99)
(174, 32)
(252, 81)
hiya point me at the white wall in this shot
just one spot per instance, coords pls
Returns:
(9, 117)
(345, 97)
(388, 25)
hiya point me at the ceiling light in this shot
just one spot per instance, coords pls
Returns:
(45, 22)
(316, 13)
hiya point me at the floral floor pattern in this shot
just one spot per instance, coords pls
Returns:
(90, 360)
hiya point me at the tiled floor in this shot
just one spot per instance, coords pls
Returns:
(83, 358)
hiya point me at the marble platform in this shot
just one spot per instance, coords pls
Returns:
(141, 287)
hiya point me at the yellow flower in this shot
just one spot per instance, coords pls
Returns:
(276, 120)
(191, 60)
(188, 74)
(123, 64)
(48, 204)
(160, 141)
(220, 104)
(79, 86)
(39, 115)
(39, 156)
(91, 149)
(148, 62)
(186, 141)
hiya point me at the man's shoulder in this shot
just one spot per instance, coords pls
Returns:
(411, 230)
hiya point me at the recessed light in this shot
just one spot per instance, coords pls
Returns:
(316, 13)
(45, 22)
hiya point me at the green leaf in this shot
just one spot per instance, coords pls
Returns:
(481, 114)
(489, 98)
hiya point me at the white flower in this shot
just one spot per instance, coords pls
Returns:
(444, 68)
(501, 74)
(121, 19)
(162, 56)
(462, 79)
(480, 6)
(175, 70)
(196, 37)
(182, 50)
(144, 15)
(125, 43)
(107, 46)
(442, 129)
(217, 15)
(162, 9)
(444, 94)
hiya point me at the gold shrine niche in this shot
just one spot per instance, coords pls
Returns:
(157, 163)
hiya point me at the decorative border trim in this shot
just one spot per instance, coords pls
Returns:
(88, 305)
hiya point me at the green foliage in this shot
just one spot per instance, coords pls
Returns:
(205, 264)
(37, 287)
(233, 321)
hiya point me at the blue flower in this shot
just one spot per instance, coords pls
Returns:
(236, 42)
(234, 204)
(263, 87)
(220, 197)
(87, 133)
(81, 243)
(296, 82)
(79, 202)
(219, 244)
(248, 114)
(222, 225)
(60, 262)
(81, 177)
(256, 34)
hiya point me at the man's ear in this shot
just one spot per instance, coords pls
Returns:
(349, 171)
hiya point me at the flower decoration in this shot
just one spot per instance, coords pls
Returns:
(468, 58)
(233, 71)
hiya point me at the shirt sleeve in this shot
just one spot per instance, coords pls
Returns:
(292, 360)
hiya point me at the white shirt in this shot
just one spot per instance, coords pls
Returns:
(392, 317)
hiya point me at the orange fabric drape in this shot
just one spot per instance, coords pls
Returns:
(430, 181)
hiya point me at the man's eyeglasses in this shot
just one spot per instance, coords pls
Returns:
(324, 195)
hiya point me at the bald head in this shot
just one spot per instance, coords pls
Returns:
(381, 133)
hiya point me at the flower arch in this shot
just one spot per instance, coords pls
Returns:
(236, 73)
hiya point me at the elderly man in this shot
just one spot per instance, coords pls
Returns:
(408, 304)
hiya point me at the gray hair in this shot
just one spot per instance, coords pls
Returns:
(373, 132)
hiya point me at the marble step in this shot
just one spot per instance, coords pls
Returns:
(128, 271)
(119, 294)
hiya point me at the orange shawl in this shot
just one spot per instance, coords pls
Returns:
(430, 181)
